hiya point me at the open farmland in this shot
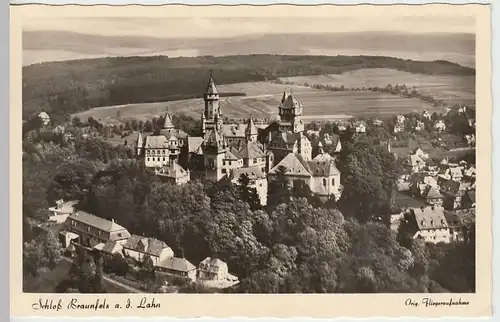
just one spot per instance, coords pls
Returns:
(262, 101)
(449, 88)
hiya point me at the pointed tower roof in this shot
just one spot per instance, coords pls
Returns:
(251, 128)
(139, 140)
(167, 123)
(285, 95)
(211, 88)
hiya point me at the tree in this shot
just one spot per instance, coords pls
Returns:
(247, 193)
(279, 189)
(116, 264)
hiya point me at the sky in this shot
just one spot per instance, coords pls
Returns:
(201, 27)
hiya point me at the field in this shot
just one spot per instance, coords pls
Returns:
(450, 88)
(262, 100)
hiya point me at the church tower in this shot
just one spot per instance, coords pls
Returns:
(213, 114)
(290, 112)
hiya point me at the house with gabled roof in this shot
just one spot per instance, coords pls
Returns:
(173, 173)
(213, 269)
(453, 193)
(175, 266)
(44, 118)
(138, 247)
(432, 196)
(414, 163)
(320, 174)
(431, 224)
(110, 248)
(93, 230)
(62, 210)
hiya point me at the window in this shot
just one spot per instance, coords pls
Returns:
(333, 181)
(223, 170)
(324, 182)
(254, 160)
(224, 162)
(147, 159)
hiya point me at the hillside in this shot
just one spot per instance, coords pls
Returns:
(61, 88)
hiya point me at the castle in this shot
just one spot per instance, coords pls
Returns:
(232, 150)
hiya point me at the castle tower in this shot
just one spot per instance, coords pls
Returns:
(215, 147)
(212, 114)
(290, 112)
(251, 131)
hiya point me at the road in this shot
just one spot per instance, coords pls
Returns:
(114, 282)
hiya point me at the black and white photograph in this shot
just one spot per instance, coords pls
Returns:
(250, 154)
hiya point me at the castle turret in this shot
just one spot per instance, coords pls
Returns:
(167, 122)
(251, 131)
(139, 144)
(213, 113)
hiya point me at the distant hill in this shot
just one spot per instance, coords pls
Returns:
(42, 45)
(61, 88)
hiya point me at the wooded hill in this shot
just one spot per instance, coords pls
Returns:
(61, 88)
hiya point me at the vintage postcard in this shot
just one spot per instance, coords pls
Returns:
(251, 161)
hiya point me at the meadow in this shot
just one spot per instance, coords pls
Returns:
(451, 89)
(262, 100)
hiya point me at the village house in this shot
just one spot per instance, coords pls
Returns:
(92, 230)
(455, 225)
(179, 267)
(398, 128)
(427, 115)
(377, 122)
(432, 196)
(44, 118)
(173, 173)
(470, 172)
(420, 153)
(137, 247)
(359, 126)
(440, 126)
(420, 126)
(470, 139)
(431, 224)
(432, 170)
(419, 181)
(110, 248)
(213, 269)
(62, 210)
(453, 192)
(400, 119)
(413, 163)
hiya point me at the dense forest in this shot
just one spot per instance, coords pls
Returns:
(61, 88)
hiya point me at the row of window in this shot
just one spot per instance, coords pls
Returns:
(156, 159)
